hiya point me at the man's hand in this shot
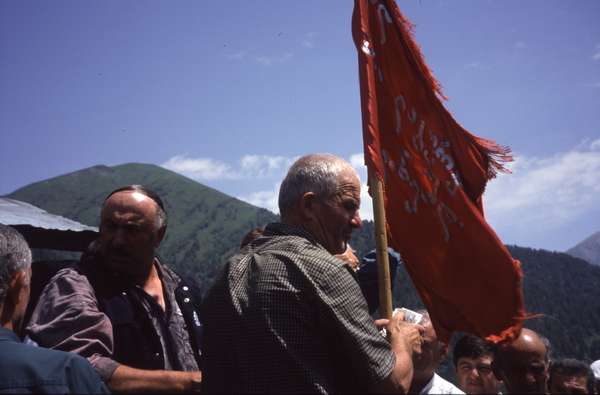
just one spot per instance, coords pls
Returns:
(399, 329)
(405, 339)
(126, 379)
(411, 334)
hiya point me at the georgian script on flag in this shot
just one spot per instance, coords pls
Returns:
(434, 173)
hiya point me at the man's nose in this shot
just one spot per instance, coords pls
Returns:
(118, 238)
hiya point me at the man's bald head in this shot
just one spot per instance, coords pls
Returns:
(523, 363)
(318, 173)
(131, 229)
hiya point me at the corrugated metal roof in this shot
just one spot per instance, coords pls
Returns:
(16, 212)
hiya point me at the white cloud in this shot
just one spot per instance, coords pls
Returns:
(366, 203)
(520, 45)
(264, 165)
(545, 193)
(596, 55)
(473, 65)
(237, 55)
(200, 168)
(265, 199)
(271, 60)
(308, 41)
(249, 167)
(541, 192)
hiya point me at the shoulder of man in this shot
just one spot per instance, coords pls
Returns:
(58, 370)
(308, 258)
(65, 296)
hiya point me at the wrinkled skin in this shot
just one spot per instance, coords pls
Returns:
(331, 220)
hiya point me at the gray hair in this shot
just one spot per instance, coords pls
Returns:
(15, 256)
(317, 173)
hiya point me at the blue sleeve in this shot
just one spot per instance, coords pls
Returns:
(83, 379)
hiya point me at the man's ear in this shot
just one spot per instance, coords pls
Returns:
(161, 234)
(497, 370)
(307, 206)
(16, 284)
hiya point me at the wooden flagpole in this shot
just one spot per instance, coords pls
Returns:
(383, 269)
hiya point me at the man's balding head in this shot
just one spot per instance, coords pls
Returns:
(522, 364)
(321, 193)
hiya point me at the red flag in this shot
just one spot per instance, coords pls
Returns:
(434, 173)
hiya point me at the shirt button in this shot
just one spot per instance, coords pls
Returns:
(185, 288)
(186, 300)
(157, 354)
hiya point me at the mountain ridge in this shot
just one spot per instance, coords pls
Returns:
(588, 249)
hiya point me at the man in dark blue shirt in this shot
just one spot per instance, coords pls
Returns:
(25, 368)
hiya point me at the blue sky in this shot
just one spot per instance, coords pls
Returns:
(229, 93)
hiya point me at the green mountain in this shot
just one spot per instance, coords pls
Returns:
(205, 225)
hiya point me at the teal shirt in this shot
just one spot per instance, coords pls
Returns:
(29, 369)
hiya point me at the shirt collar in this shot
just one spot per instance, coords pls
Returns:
(428, 386)
(281, 229)
(8, 335)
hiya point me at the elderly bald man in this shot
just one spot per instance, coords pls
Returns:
(523, 364)
(122, 307)
(287, 316)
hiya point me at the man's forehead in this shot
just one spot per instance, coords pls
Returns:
(131, 201)
(348, 182)
(481, 360)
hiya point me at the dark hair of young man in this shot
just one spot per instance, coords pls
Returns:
(571, 368)
(471, 346)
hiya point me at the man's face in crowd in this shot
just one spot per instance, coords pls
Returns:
(337, 216)
(129, 234)
(475, 375)
(432, 353)
(524, 368)
(568, 384)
